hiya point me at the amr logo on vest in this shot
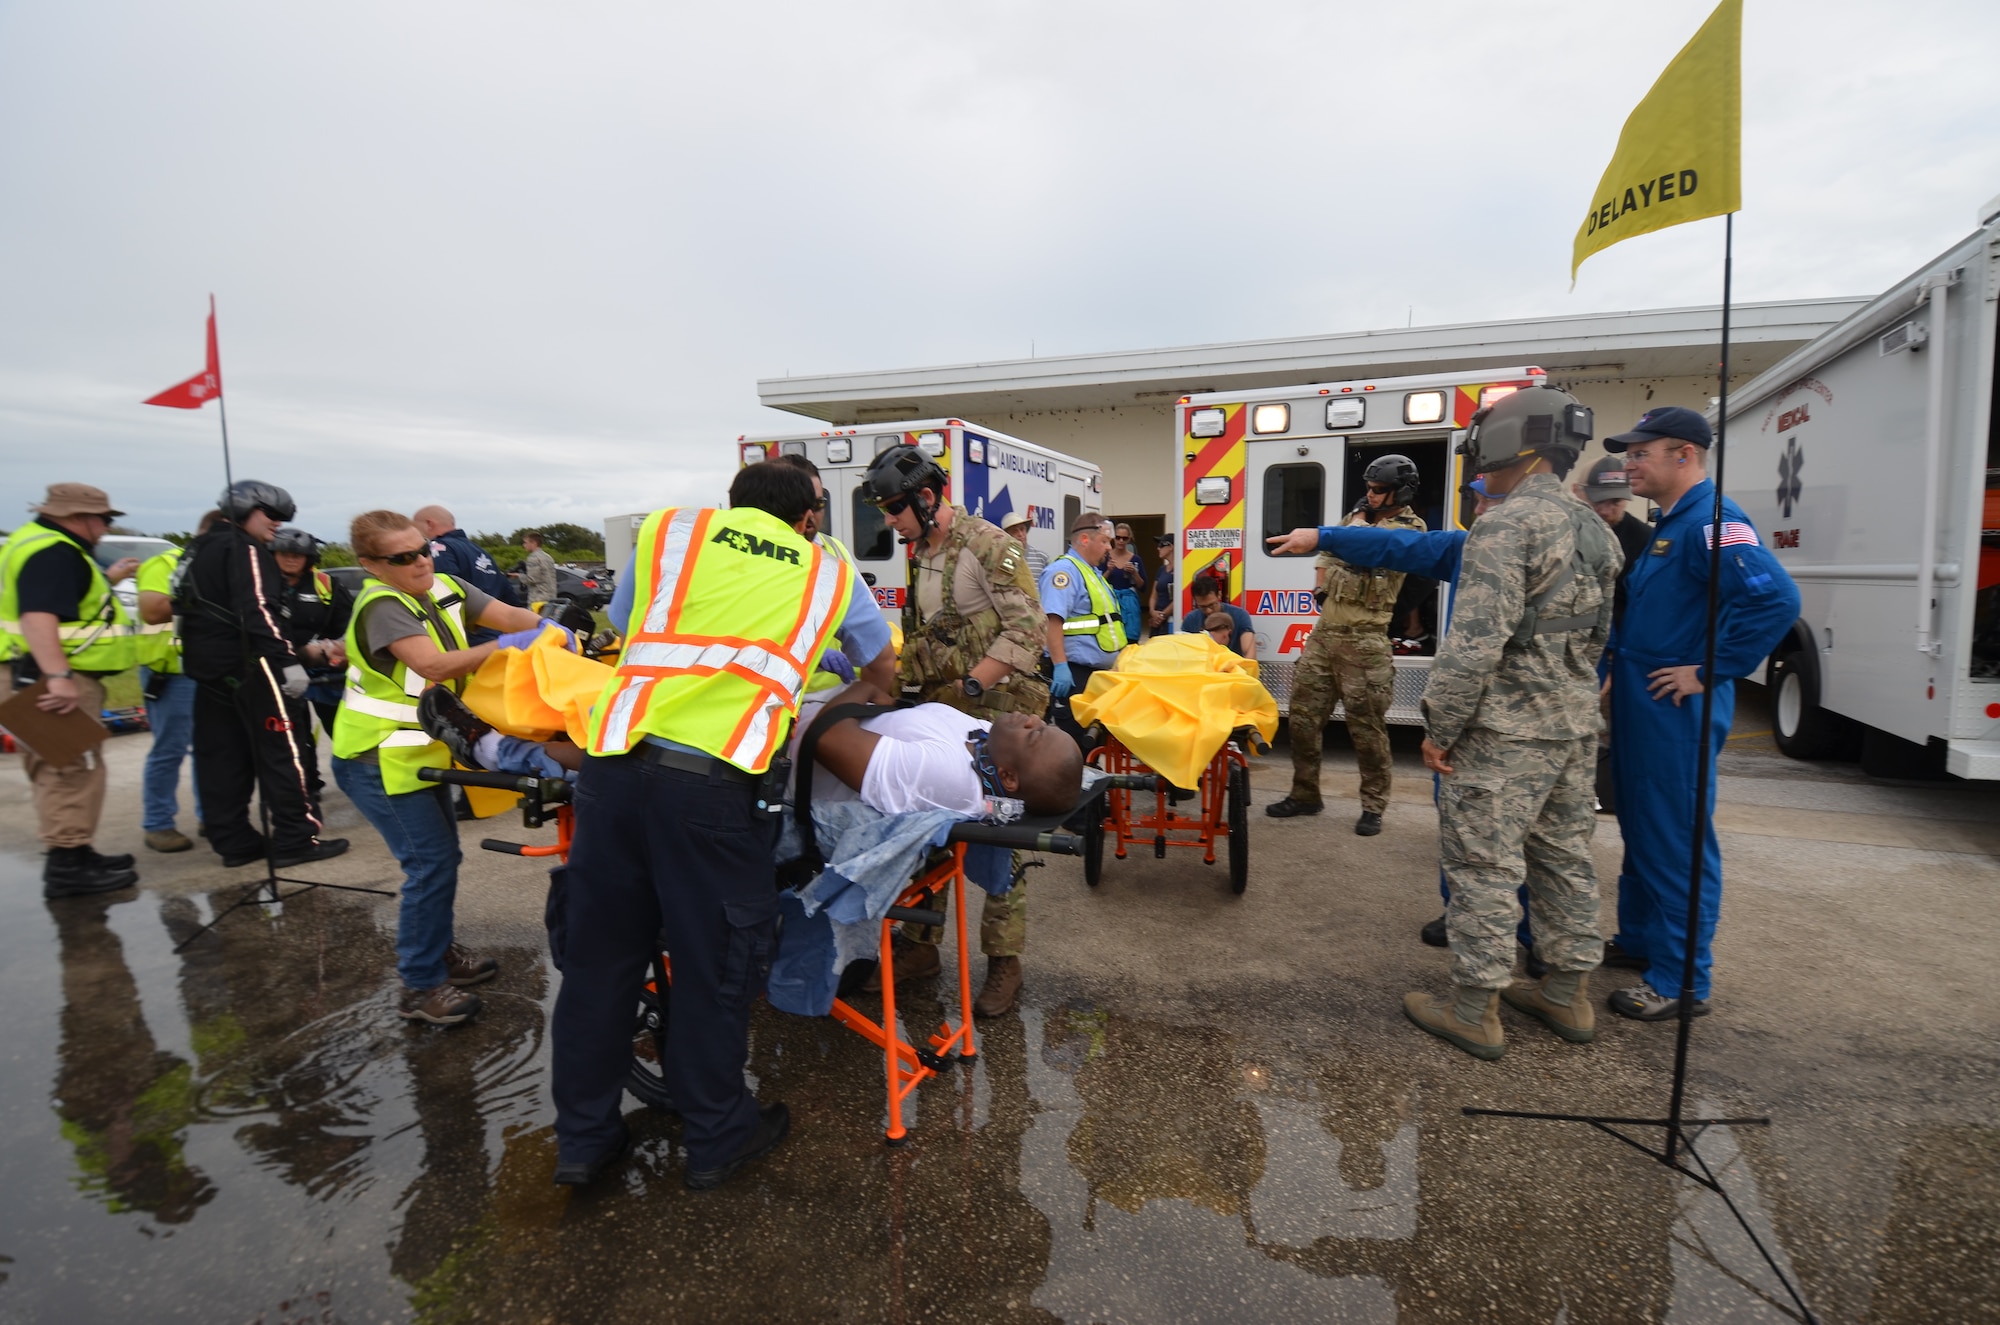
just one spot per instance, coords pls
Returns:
(737, 540)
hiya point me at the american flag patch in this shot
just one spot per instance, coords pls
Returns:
(1733, 531)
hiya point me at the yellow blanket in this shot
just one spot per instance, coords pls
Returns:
(1174, 700)
(538, 691)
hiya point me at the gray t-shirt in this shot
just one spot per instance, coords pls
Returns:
(386, 620)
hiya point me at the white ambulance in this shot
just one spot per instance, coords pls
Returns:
(1870, 461)
(1256, 463)
(989, 473)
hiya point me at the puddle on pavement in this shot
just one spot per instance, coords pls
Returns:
(246, 1132)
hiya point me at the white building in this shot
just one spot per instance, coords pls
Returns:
(1117, 408)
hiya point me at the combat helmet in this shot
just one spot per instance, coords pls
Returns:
(900, 473)
(1399, 470)
(1534, 421)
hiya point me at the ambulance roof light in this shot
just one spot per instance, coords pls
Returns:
(839, 451)
(1270, 418)
(1423, 407)
(753, 453)
(1207, 422)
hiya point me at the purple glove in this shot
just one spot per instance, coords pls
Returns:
(833, 660)
(521, 639)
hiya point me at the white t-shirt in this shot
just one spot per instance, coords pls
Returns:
(920, 763)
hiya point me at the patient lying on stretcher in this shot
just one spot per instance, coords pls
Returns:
(930, 757)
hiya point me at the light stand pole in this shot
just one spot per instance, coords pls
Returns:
(1677, 1139)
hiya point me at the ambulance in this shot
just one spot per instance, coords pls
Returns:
(989, 473)
(1267, 461)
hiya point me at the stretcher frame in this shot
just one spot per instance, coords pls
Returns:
(1223, 813)
(905, 1066)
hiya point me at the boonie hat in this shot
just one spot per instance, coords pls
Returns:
(1673, 421)
(1017, 519)
(1607, 481)
(75, 499)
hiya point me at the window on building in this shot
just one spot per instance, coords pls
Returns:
(1294, 498)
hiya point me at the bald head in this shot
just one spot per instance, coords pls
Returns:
(434, 520)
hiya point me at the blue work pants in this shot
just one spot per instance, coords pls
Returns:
(663, 855)
(1656, 751)
(422, 832)
(171, 717)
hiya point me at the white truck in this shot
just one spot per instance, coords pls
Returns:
(1250, 464)
(988, 472)
(1869, 459)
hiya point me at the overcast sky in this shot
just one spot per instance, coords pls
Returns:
(529, 260)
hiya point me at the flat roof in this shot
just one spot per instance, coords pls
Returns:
(1646, 343)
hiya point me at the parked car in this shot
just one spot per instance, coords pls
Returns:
(590, 590)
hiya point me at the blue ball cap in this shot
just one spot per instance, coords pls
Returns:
(1672, 421)
(1477, 485)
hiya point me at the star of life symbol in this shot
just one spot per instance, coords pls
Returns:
(1789, 465)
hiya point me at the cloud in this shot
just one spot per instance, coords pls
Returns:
(530, 260)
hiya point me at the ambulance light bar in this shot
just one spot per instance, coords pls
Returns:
(887, 440)
(753, 453)
(839, 451)
(1489, 394)
(931, 443)
(1423, 407)
(1270, 418)
(1349, 413)
(975, 450)
(1206, 423)
(1212, 491)
(792, 448)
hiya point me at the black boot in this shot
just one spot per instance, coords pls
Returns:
(70, 872)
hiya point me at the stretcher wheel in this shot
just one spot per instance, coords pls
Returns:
(1093, 849)
(1239, 827)
(647, 1080)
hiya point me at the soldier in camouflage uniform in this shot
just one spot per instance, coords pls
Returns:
(971, 639)
(1511, 720)
(1346, 658)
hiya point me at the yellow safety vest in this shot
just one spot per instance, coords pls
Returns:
(1104, 621)
(820, 680)
(730, 614)
(99, 640)
(379, 712)
(159, 647)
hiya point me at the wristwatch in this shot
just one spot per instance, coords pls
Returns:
(59, 676)
(972, 688)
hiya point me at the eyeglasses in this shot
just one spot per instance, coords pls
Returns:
(405, 558)
(819, 505)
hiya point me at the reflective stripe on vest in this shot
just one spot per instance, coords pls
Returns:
(99, 640)
(379, 712)
(822, 679)
(731, 614)
(1104, 621)
(159, 646)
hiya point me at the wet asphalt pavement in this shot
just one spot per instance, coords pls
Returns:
(1207, 1108)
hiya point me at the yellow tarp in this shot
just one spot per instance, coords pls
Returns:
(1174, 700)
(538, 691)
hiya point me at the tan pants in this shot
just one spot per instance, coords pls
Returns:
(69, 800)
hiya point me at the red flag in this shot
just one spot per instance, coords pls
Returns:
(205, 385)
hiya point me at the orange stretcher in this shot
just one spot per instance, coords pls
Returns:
(1224, 810)
(905, 1065)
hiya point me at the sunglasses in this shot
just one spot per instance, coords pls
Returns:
(1382, 489)
(894, 506)
(819, 505)
(405, 558)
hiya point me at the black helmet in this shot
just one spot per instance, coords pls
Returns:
(294, 539)
(1399, 470)
(248, 494)
(900, 471)
(1534, 421)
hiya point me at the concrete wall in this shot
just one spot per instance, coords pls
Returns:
(1136, 446)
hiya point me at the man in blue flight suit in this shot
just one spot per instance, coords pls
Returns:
(1085, 631)
(1656, 683)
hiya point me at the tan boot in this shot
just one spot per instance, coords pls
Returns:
(1003, 986)
(168, 840)
(1469, 1019)
(1561, 1002)
(914, 961)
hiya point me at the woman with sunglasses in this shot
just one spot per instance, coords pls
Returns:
(1125, 572)
(408, 632)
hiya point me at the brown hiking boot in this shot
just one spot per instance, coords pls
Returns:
(1469, 1019)
(464, 967)
(1575, 1021)
(914, 961)
(168, 840)
(1002, 987)
(443, 1006)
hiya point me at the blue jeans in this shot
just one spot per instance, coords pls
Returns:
(422, 832)
(171, 717)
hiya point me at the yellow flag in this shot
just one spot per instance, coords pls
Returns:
(1679, 155)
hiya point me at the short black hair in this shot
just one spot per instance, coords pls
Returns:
(1205, 584)
(778, 489)
(798, 462)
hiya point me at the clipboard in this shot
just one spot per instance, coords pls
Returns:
(61, 739)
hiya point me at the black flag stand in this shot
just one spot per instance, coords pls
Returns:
(1676, 1146)
(265, 891)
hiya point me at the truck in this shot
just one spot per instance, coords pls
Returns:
(988, 472)
(1870, 460)
(1256, 463)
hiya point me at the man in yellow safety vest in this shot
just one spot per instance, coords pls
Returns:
(726, 616)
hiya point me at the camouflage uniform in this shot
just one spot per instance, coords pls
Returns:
(1513, 698)
(1347, 659)
(941, 645)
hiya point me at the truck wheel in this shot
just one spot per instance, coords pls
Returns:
(1801, 727)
